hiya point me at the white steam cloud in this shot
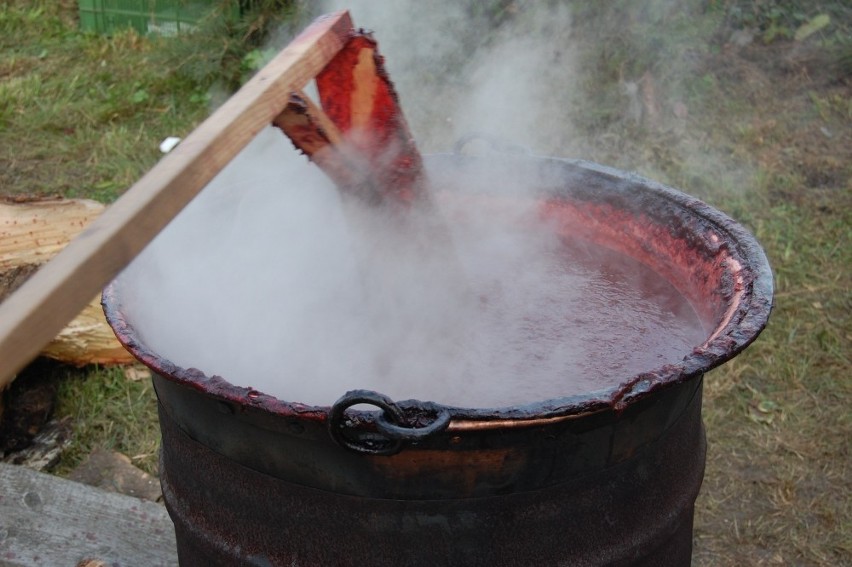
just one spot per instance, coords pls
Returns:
(270, 280)
(457, 75)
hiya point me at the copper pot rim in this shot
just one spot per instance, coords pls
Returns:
(746, 317)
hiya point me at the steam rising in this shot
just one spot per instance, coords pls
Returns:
(458, 75)
(271, 280)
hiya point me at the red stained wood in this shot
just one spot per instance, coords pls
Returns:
(315, 135)
(358, 96)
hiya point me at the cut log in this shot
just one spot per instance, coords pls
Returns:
(31, 233)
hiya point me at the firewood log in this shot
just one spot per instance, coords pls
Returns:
(32, 231)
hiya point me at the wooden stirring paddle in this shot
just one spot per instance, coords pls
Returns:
(359, 137)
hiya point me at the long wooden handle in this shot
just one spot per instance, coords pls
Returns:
(34, 314)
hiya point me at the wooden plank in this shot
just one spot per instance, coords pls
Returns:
(33, 315)
(315, 135)
(31, 233)
(46, 520)
(335, 137)
(356, 93)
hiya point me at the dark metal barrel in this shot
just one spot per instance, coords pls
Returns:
(603, 490)
(607, 478)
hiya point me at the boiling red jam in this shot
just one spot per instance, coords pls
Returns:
(573, 318)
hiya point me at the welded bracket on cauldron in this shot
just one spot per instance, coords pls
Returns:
(385, 433)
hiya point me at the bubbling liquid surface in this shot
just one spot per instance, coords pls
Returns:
(575, 319)
(284, 288)
(542, 318)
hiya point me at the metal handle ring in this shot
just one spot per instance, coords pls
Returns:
(394, 431)
(388, 423)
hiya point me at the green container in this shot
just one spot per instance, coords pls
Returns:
(162, 17)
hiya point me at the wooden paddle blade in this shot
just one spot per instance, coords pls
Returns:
(313, 133)
(358, 96)
(303, 127)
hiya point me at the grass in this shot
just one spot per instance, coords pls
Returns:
(82, 115)
(771, 147)
(777, 416)
(91, 109)
(767, 139)
(109, 412)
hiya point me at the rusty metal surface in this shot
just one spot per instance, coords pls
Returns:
(450, 465)
(636, 512)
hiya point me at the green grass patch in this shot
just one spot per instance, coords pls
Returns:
(92, 109)
(109, 412)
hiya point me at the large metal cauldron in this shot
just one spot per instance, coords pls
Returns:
(607, 478)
